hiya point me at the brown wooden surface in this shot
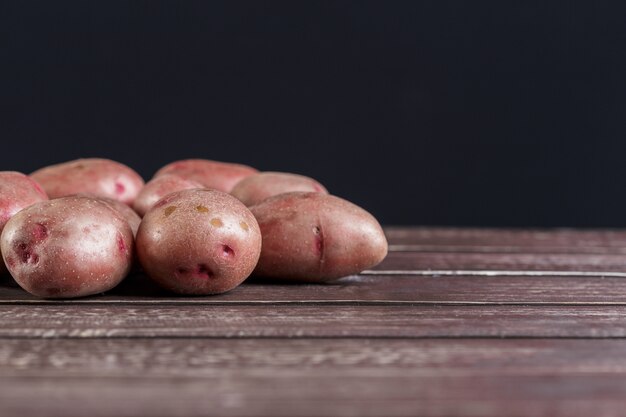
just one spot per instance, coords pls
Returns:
(470, 322)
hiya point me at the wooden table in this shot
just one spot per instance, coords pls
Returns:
(453, 322)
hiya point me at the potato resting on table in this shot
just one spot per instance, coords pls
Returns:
(198, 241)
(67, 247)
(314, 237)
(101, 177)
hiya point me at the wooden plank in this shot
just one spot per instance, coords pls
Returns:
(311, 321)
(440, 239)
(306, 395)
(312, 378)
(369, 289)
(197, 358)
(598, 268)
(425, 261)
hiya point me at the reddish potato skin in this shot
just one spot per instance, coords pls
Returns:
(221, 176)
(131, 217)
(67, 247)
(198, 242)
(17, 191)
(314, 237)
(101, 177)
(128, 214)
(159, 187)
(256, 188)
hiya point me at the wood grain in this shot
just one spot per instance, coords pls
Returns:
(312, 378)
(506, 240)
(308, 321)
(424, 261)
(198, 358)
(455, 322)
(371, 289)
(306, 395)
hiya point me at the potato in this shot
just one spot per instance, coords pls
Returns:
(256, 188)
(68, 247)
(17, 191)
(198, 241)
(314, 237)
(220, 176)
(101, 177)
(158, 188)
(128, 214)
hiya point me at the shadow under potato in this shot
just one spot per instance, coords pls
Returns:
(259, 280)
(6, 280)
(141, 284)
(138, 286)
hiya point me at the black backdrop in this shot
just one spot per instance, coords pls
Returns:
(425, 112)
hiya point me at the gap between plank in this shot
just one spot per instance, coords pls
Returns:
(495, 273)
(532, 250)
(308, 303)
(321, 337)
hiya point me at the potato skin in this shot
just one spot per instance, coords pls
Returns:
(256, 188)
(131, 217)
(221, 176)
(17, 191)
(198, 241)
(67, 247)
(159, 187)
(314, 237)
(101, 177)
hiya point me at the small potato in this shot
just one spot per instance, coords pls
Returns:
(17, 191)
(68, 247)
(314, 237)
(159, 187)
(221, 176)
(198, 242)
(256, 188)
(101, 177)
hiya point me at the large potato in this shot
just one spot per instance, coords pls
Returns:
(198, 242)
(314, 237)
(101, 177)
(68, 247)
(159, 187)
(256, 188)
(220, 176)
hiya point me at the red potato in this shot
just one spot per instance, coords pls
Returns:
(132, 218)
(220, 176)
(17, 191)
(198, 242)
(159, 187)
(67, 247)
(256, 188)
(101, 177)
(314, 237)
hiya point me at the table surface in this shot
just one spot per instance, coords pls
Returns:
(467, 322)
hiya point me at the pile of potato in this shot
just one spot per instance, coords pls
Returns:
(74, 229)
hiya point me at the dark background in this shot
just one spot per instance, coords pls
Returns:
(426, 112)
